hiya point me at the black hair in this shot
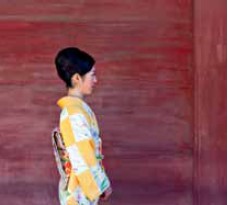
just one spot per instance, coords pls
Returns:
(72, 60)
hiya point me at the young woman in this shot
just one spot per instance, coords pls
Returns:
(83, 178)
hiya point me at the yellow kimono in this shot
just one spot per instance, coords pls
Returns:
(83, 178)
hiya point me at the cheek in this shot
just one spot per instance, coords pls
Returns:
(89, 83)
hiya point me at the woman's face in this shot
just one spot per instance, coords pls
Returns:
(88, 82)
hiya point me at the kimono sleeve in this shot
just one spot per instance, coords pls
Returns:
(78, 140)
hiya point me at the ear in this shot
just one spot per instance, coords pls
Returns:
(76, 79)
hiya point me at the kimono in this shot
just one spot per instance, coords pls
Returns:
(77, 148)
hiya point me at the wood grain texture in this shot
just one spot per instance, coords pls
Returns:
(210, 103)
(143, 101)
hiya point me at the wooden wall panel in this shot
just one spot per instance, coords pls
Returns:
(210, 103)
(144, 99)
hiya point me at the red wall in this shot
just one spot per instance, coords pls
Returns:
(210, 103)
(145, 101)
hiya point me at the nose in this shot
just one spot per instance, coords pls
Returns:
(95, 79)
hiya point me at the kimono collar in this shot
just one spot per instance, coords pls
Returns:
(68, 101)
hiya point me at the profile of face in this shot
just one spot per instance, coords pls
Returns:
(85, 84)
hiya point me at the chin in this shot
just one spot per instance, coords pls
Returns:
(89, 92)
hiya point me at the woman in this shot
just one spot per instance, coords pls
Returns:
(78, 147)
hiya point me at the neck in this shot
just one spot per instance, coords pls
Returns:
(75, 93)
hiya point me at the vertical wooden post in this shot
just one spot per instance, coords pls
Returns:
(210, 102)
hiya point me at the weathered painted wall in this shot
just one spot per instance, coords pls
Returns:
(144, 100)
(210, 103)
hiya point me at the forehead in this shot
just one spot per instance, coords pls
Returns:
(92, 71)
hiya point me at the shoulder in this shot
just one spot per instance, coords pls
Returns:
(75, 113)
